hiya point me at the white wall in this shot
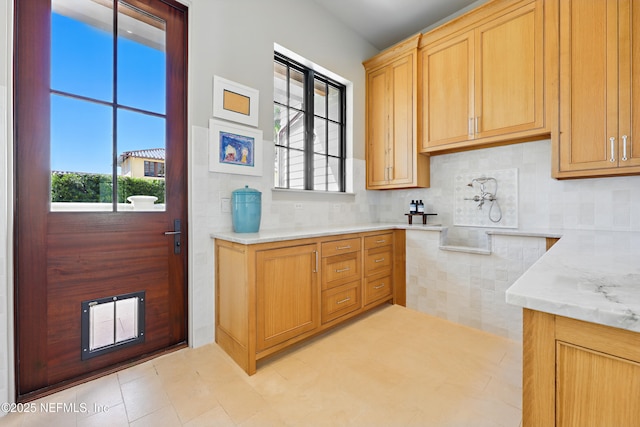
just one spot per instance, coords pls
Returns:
(6, 301)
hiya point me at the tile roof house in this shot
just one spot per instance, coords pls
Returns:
(148, 163)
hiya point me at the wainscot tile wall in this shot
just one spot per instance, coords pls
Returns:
(469, 288)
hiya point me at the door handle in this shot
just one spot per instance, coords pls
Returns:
(176, 236)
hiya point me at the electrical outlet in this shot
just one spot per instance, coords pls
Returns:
(298, 205)
(225, 205)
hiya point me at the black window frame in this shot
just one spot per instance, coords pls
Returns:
(310, 78)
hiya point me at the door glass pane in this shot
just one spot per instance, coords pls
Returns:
(141, 60)
(81, 155)
(141, 162)
(82, 48)
(83, 145)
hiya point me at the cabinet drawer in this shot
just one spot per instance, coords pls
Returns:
(340, 269)
(340, 247)
(377, 288)
(377, 260)
(340, 301)
(378, 241)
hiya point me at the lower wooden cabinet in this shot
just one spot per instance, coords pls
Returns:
(286, 294)
(272, 295)
(578, 373)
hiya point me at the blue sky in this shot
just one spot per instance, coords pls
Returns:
(82, 64)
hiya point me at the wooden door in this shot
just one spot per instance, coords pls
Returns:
(509, 94)
(402, 143)
(287, 294)
(378, 105)
(588, 85)
(447, 91)
(71, 259)
(629, 86)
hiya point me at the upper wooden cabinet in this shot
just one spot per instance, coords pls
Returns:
(481, 78)
(392, 157)
(599, 86)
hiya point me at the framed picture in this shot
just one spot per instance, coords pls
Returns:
(235, 102)
(234, 148)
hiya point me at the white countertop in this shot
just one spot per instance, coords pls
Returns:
(588, 275)
(279, 235)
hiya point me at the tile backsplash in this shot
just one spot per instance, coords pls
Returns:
(495, 198)
(543, 202)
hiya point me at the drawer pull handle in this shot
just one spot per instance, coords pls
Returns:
(339, 248)
(624, 148)
(342, 270)
(381, 285)
(343, 300)
(379, 260)
(381, 241)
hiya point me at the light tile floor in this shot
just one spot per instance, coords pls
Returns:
(392, 367)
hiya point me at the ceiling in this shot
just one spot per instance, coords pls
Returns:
(386, 22)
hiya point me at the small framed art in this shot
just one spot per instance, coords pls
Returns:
(235, 102)
(234, 148)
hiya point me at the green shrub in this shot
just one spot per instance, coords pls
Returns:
(98, 188)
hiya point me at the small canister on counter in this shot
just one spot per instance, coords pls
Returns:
(246, 209)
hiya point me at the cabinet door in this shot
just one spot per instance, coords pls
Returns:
(402, 148)
(509, 93)
(595, 389)
(447, 91)
(377, 127)
(588, 84)
(629, 90)
(287, 294)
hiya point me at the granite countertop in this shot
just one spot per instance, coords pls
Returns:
(588, 275)
(279, 235)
